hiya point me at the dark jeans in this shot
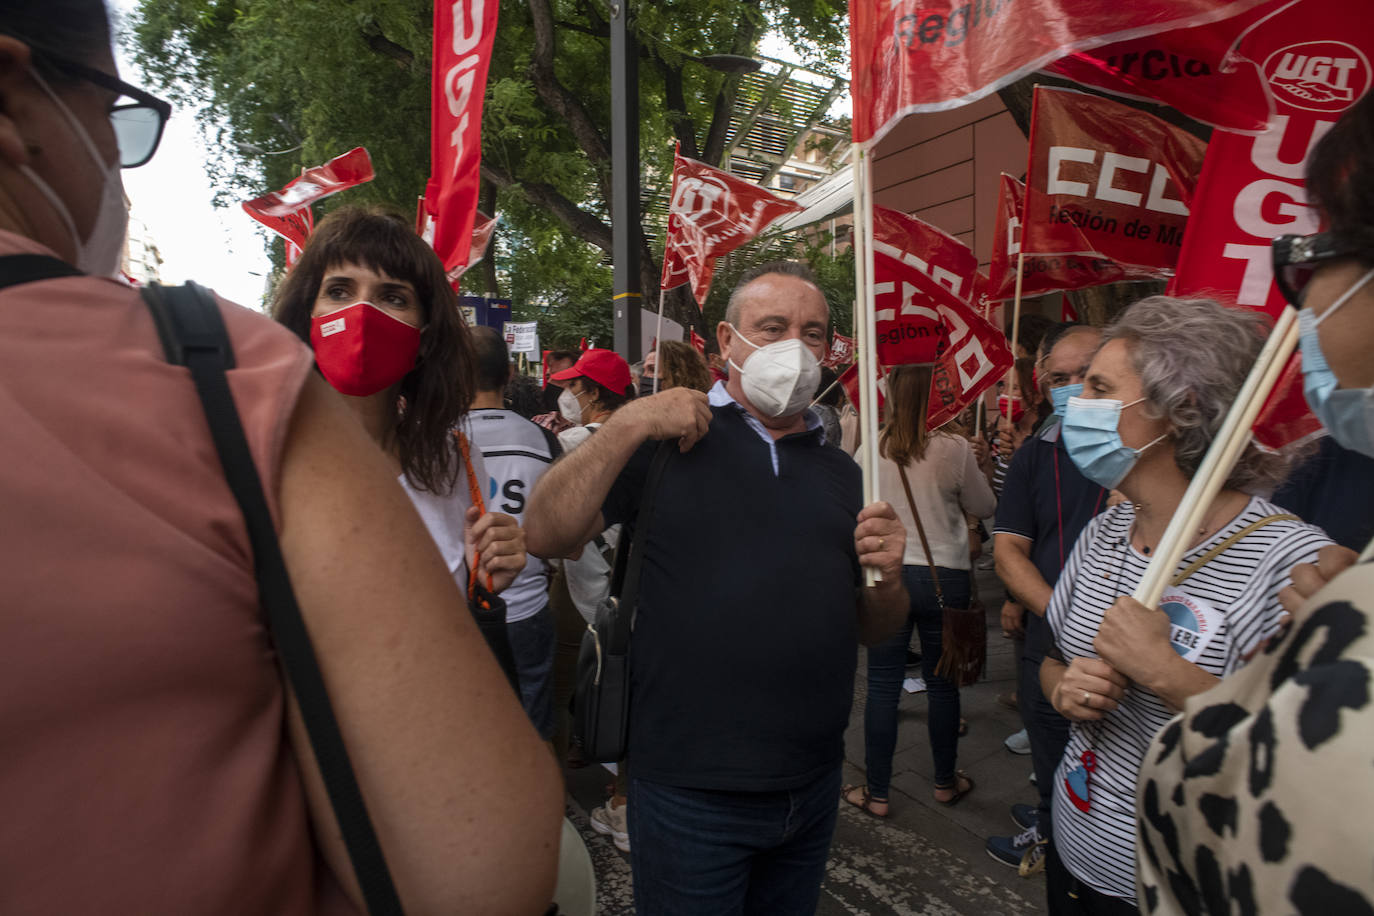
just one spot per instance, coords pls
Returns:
(1048, 732)
(696, 852)
(1070, 897)
(532, 643)
(887, 670)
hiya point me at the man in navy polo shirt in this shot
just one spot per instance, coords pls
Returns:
(750, 609)
(1045, 504)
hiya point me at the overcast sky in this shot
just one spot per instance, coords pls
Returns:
(219, 248)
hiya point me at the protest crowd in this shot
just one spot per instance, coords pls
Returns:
(314, 611)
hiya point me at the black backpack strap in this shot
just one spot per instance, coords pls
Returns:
(28, 268)
(193, 335)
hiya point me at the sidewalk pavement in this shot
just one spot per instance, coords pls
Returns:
(925, 859)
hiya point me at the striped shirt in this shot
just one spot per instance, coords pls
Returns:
(1233, 604)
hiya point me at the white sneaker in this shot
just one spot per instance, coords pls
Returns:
(1018, 743)
(611, 822)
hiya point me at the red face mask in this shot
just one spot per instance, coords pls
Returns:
(362, 350)
(1017, 411)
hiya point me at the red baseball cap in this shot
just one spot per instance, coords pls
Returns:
(605, 367)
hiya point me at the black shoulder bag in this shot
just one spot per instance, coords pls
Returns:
(601, 703)
(193, 335)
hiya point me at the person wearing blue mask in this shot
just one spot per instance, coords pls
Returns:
(1045, 504)
(1156, 393)
(1288, 740)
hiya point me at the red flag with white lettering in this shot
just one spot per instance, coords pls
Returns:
(463, 33)
(912, 56)
(338, 174)
(841, 352)
(975, 354)
(1197, 71)
(711, 214)
(904, 248)
(1316, 57)
(849, 380)
(1107, 181)
(1043, 274)
(698, 342)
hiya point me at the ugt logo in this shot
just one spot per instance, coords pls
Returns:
(1323, 76)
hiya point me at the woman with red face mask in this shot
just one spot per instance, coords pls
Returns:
(371, 299)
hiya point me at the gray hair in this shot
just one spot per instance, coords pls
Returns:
(786, 268)
(1193, 356)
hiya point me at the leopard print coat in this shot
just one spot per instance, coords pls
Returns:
(1259, 798)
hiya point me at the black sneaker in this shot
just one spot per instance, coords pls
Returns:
(1025, 815)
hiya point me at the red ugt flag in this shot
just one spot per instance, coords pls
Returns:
(711, 214)
(1316, 57)
(841, 352)
(1197, 71)
(1107, 181)
(287, 212)
(1043, 274)
(913, 56)
(463, 33)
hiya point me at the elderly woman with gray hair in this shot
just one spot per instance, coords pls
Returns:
(1155, 395)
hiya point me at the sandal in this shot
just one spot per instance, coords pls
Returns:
(866, 805)
(959, 775)
(963, 727)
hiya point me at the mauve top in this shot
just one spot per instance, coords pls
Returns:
(145, 765)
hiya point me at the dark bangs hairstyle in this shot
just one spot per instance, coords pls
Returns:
(433, 396)
(1340, 178)
(904, 436)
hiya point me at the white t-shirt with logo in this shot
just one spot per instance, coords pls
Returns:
(444, 514)
(516, 454)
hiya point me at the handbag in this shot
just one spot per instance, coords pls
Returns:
(193, 335)
(488, 609)
(601, 701)
(964, 631)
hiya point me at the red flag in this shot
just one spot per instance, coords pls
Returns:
(483, 228)
(698, 342)
(463, 33)
(909, 256)
(914, 56)
(338, 174)
(712, 213)
(974, 357)
(1067, 312)
(1316, 57)
(1108, 181)
(849, 380)
(1193, 70)
(841, 352)
(1043, 274)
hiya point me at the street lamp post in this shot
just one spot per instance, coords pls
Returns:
(625, 217)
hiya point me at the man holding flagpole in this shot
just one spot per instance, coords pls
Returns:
(743, 655)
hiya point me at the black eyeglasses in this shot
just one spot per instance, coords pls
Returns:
(1297, 257)
(137, 125)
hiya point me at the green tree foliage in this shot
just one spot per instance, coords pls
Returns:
(284, 84)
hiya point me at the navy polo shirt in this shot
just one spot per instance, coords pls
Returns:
(1334, 490)
(743, 655)
(1032, 504)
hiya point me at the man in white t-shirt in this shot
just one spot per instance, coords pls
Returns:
(516, 453)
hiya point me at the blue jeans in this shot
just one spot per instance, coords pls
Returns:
(887, 670)
(697, 852)
(1048, 732)
(532, 644)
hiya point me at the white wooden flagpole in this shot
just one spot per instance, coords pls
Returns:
(658, 337)
(1220, 460)
(866, 330)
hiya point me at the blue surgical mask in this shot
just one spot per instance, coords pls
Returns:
(1094, 442)
(1347, 413)
(1060, 397)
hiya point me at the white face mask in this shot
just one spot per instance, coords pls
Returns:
(100, 254)
(570, 407)
(779, 378)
